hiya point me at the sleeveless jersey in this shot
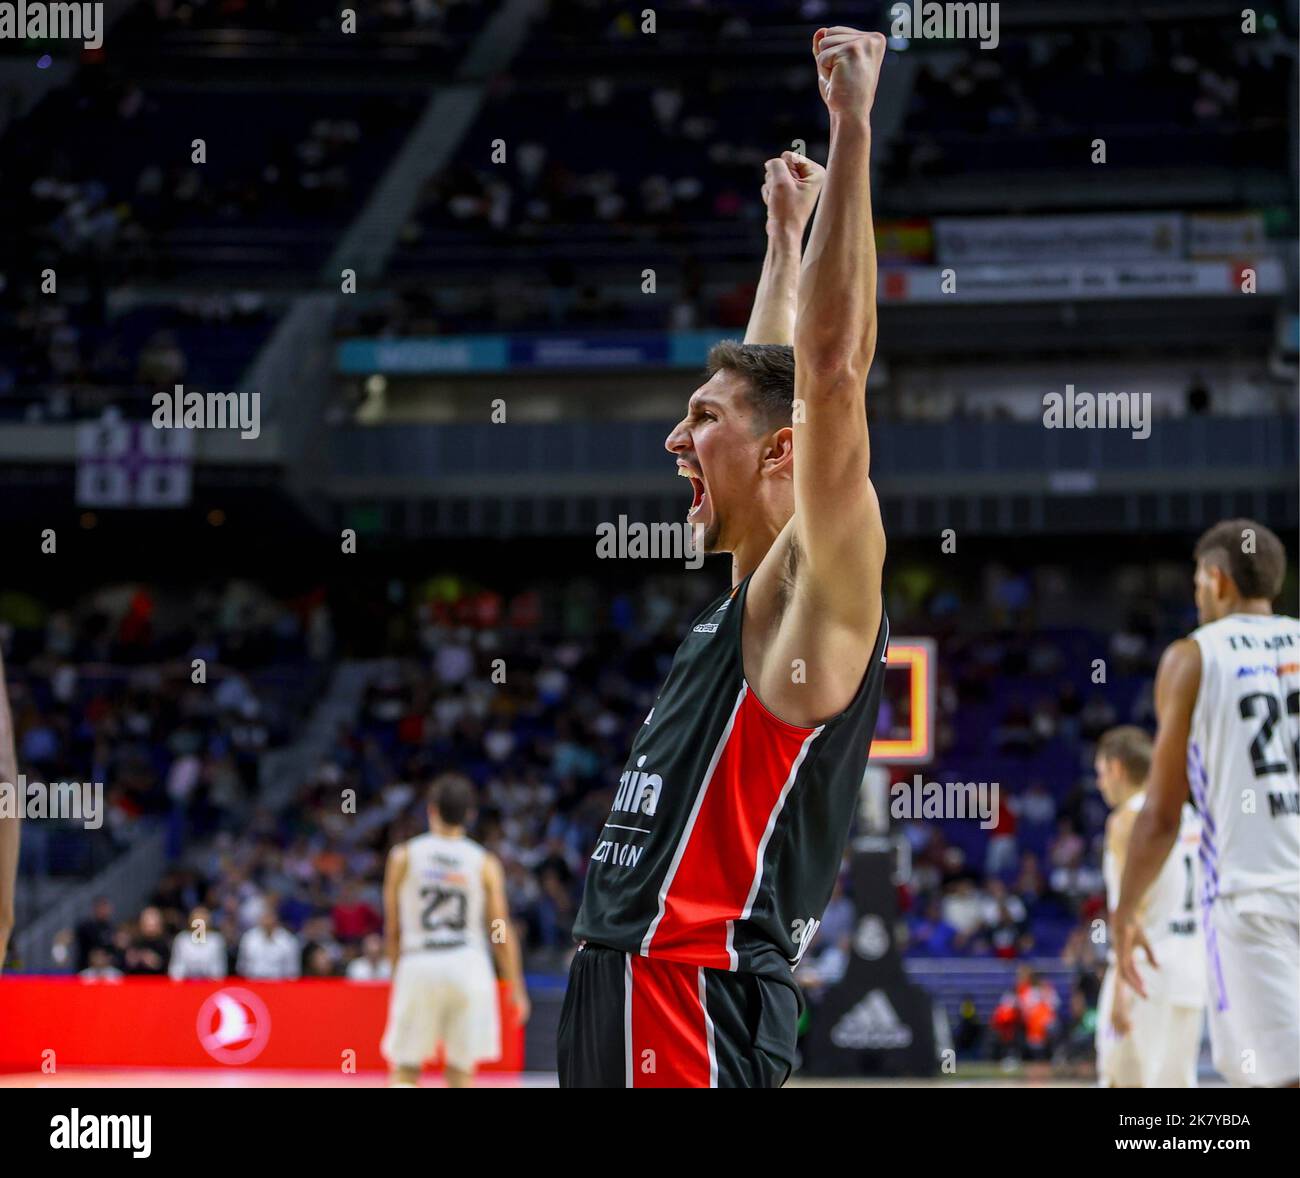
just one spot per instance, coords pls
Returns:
(1170, 918)
(441, 900)
(728, 826)
(1242, 759)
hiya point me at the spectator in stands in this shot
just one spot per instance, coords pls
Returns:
(968, 1037)
(372, 965)
(354, 919)
(198, 951)
(1070, 876)
(101, 967)
(1004, 921)
(1037, 1002)
(321, 953)
(1030, 885)
(269, 951)
(95, 932)
(1037, 806)
(963, 905)
(316, 962)
(148, 950)
(1001, 851)
(930, 935)
(1078, 1044)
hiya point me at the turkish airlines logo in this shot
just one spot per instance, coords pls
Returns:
(234, 1025)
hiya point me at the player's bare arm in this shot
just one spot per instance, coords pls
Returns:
(394, 873)
(1155, 830)
(815, 602)
(1119, 829)
(502, 936)
(791, 184)
(9, 824)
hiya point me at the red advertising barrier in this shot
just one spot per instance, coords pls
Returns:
(155, 1022)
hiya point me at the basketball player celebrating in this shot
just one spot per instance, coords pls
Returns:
(731, 817)
(1150, 1042)
(444, 903)
(1226, 708)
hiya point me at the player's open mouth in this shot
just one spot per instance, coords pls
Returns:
(700, 493)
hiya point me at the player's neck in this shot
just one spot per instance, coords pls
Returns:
(748, 553)
(1250, 605)
(1128, 793)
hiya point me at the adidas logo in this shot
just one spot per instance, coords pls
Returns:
(872, 1023)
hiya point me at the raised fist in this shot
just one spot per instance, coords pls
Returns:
(848, 68)
(791, 184)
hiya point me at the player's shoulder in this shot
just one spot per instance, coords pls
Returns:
(1181, 661)
(400, 852)
(1123, 816)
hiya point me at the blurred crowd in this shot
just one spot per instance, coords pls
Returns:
(169, 700)
(544, 733)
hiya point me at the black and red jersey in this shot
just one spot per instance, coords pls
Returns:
(728, 825)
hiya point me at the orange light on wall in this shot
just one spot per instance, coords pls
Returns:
(917, 657)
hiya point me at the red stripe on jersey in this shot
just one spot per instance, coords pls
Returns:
(669, 1045)
(718, 865)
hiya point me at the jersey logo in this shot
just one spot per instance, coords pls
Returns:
(638, 793)
(712, 627)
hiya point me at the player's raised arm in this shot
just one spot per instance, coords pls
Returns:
(791, 183)
(9, 824)
(1155, 830)
(837, 515)
(394, 873)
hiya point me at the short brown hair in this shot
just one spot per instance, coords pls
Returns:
(1256, 574)
(1131, 747)
(452, 795)
(768, 370)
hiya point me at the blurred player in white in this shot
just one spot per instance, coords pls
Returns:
(1150, 1042)
(444, 905)
(1227, 699)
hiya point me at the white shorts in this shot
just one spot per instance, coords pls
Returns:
(446, 996)
(1160, 1049)
(1254, 964)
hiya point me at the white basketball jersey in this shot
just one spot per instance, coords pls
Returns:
(1242, 757)
(1171, 918)
(441, 901)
